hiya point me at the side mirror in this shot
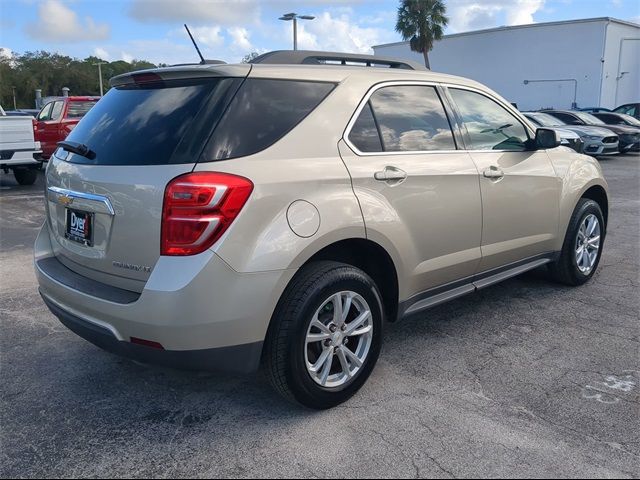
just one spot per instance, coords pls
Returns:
(547, 138)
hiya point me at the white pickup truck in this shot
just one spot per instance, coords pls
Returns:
(19, 152)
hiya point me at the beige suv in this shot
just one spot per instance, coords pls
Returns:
(278, 213)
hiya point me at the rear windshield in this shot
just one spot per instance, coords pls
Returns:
(144, 124)
(79, 109)
(181, 121)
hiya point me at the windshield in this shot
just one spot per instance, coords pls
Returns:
(588, 118)
(546, 120)
(630, 120)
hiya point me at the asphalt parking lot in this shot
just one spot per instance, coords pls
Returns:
(525, 379)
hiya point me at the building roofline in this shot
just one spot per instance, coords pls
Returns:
(528, 25)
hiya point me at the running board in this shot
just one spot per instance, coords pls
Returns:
(439, 295)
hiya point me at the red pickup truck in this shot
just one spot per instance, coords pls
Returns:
(57, 118)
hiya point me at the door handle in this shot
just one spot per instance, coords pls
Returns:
(493, 172)
(391, 175)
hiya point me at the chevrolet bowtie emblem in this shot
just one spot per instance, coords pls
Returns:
(65, 200)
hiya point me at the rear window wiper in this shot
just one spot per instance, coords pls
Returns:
(78, 148)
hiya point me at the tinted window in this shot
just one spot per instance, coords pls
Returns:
(628, 109)
(589, 119)
(546, 120)
(45, 113)
(79, 109)
(57, 110)
(567, 118)
(364, 134)
(610, 119)
(489, 125)
(261, 113)
(411, 119)
(145, 124)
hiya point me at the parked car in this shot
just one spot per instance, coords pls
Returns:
(628, 137)
(632, 109)
(612, 118)
(568, 138)
(593, 109)
(216, 216)
(58, 118)
(596, 141)
(19, 152)
(22, 113)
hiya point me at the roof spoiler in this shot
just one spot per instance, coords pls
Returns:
(308, 57)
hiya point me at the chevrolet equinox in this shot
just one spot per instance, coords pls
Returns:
(276, 214)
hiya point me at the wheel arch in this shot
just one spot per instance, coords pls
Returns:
(369, 257)
(598, 194)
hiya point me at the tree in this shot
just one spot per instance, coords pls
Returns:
(422, 22)
(249, 56)
(50, 72)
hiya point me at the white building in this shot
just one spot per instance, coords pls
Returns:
(589, 63)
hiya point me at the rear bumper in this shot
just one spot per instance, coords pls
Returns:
(205, 315)
(18, 158)
(237, 359)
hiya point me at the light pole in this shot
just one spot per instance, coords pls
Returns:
(294, 16)
(14, 97)
(99, 64)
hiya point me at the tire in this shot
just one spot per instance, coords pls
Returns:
(25, 176)
(566, 269)
(288, 356)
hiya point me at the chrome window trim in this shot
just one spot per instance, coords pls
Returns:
(508, 107)
(54, 194)
(363, 103)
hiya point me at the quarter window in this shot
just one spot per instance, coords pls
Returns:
(490, 126)
(261, 113)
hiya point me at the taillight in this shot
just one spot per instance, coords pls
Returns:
(35, 125)
(198, 208)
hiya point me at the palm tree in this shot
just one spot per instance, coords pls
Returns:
(421, 22)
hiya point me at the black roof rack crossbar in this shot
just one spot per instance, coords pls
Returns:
(308, 57)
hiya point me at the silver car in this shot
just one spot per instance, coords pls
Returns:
(276, 214)
(596, 140)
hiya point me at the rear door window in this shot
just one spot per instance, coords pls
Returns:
(411, 118)
(261, 113)
(489, 125)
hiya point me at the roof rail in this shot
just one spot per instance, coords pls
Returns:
(308, 57)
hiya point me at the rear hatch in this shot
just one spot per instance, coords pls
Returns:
(104, 207)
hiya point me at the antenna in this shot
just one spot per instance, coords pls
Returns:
(195, 45)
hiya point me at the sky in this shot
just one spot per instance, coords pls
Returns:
(229, 29)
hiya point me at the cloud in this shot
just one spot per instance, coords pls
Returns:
(240, 38)
(101, 53)
(223, 12)
(466, 15)
(58, 23)
(339, 33)
(209, 36)
(155, 51)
